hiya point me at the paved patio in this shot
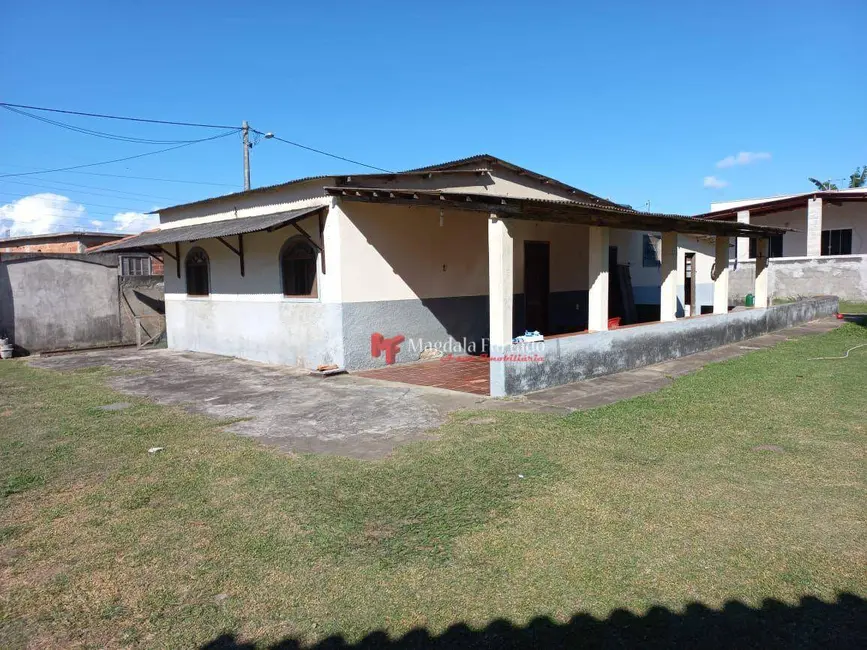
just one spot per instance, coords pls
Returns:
(465, 374)
(283, 407)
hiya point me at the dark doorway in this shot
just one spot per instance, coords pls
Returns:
(537, 284)
(689, 285)
(615, 292)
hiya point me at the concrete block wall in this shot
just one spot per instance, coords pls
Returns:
(574, 358)
(59, 301)
(844, 276)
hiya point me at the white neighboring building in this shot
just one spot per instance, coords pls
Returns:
(825, 252)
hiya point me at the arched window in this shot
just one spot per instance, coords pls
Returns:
(197, 273)
(298, 268)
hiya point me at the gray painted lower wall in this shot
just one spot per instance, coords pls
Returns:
(844, 276)
(573, 358)
(451, 322)
(273, 330)
(459, 324)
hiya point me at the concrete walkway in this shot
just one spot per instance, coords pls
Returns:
(279, 406)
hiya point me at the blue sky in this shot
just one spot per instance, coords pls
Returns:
(636, 101)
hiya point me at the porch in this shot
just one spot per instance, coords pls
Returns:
(514, 369)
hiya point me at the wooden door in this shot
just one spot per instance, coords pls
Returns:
(537, 284)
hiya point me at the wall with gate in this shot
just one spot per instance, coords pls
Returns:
(53, 301)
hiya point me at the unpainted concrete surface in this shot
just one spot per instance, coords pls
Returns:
(605, 390)
(281, 406)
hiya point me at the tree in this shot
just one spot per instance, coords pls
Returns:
(823, 185)
(859, 178)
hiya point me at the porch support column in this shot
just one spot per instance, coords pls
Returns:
(721, 276)
(761, 289)
(743, 243)
(500, 292)
(597, 259)
(814, 227)
(668, 288)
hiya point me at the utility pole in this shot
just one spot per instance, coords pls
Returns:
(245, 132)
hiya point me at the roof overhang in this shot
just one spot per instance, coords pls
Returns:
(153, 239)
(786, 203)
(570, 212)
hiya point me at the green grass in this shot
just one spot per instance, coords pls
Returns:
(852, 307)
(660, 500)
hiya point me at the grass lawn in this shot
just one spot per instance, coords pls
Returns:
(852, 307)
(657, 501)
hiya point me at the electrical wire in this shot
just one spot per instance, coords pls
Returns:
(116, 160)
(160, 180)
(98, 134)
(117, 117)
(324, 153)
(140, 178)
(9, 105)
(53, 186)
(99, 205)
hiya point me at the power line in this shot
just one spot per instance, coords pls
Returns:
(99, 205)
(192, 124)
(161, 180)
(324, 153)
(117, 117)
(116, 160)
(140, 178)
(98, 134)
(74, 189)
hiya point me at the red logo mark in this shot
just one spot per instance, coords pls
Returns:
(380, 344)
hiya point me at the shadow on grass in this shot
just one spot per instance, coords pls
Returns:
(810, 624)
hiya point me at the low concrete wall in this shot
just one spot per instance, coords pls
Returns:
(789, 277)
(59, 301)
(573, 358)
(266, 328)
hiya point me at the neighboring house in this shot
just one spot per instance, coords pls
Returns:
(461, 255)
(57, 242)
(825, 251)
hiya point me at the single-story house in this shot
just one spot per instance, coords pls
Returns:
(824, 249)
(362, 270)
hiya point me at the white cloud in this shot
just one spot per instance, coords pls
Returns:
(743, 158)
(41, 213)
(714, 182)
(134, 222)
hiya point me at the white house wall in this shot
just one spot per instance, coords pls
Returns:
(845, 215)
(405, 274)
(646, 280)
(248, 316)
